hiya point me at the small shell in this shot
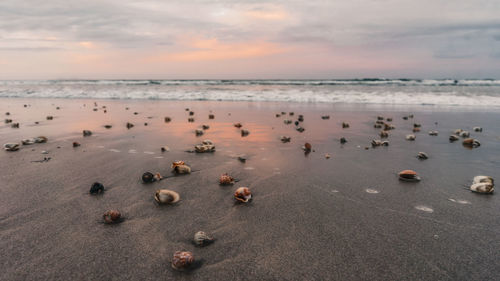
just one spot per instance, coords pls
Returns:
(41, 139)
(238, 125)
(453, 138)
(165, 196)
(245, 133)
(376, 143)
(202, 239)
(112, 216)
(207, 142)
(182, 260)
(300, 129)
(327, 156)
(149, 177)
(285, 139)
(226, 179)
(408, 175)
(287, 121)
(422, 155)
(478, 129)
(307, 147)
(416, 125)
(167, 119)
(11, 146)
(129, 125)
(410, 137)
(325, 117)
(205, 127)
(345, 125)
(433, 133)
(483, 187)
(483, 179)
(96, 188)
(377, 126)
(182, 169)
(243, 194)
(177, 163)
(201, 148)
(211, 116)
(165, 148)
(384, 134)
(343, 140)
(50, 117)
(198, 132)
(471, 143)
(416, 130)
(388, 127)
(28, 141)
(76, 144)
(464, 134)
(457, 131)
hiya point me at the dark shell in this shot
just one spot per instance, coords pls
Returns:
(87, 133)
(148, 177)
(76, 144)
(129, 125)
(168, 119)
(307, 146)
(96, 188)
(211, 116)
(226, 179)
(182, 260)
(345, 125)
(238, 125)
(343, 140)
(112, 216)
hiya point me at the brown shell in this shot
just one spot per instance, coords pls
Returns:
(178, 163)
(112, 216)
(408, 174)
(182, 260)
(238, 125)
(307, 146)
(242, 194)
(166, 196)
(226, 179)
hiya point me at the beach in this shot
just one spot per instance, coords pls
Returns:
(310, 218)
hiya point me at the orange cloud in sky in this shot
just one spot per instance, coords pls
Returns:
(87, 44)
(212, 49)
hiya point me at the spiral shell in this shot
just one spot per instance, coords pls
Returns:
(226, 179)
(202, 239)
(166, 196)
(408, 175)
(112, 216)
(182, 260)
(243, 194)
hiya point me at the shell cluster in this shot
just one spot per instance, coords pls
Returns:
(409, 175)
(243, 194)
(482, 184)
(166, 196)
(182, 260)
(205, 146)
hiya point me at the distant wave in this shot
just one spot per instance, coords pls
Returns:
(485, 92)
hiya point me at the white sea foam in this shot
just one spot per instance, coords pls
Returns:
(484, 93)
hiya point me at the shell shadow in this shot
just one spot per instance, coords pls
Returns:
(197, 264)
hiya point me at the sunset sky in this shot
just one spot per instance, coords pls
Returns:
(132, 39)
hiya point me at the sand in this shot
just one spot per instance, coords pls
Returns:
(311, 218)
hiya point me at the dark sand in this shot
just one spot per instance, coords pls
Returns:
(310, 218)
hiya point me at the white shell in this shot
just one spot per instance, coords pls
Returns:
(165, 196)
(182, 169)
(410, 137)
(201, 238)
(482, 179)
(483, 187)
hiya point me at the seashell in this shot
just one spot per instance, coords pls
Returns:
(205, 127)
(483, 179)
(198, 132)
(211, 116)
(301, 118)
(416, 130)
(238, 125)
(149, 177)
(283, 113)
(416, 125)
(201, 148)
(87, 133)
(96, 188)
(243, 194)
(182, 260)
(285, 139)
(453, 138)
(300, 129)
(14, 125)
(377, 126)
(242, 159)
(477, 129)
(95, 109)
(433, 133)
(385, 143)
(165, 148)
(471, 143)
(325, 117)
(50, 117)
(376, 143)
(380, 118)
(226, 179)
(389, 119)
(76, 144)
(166, 196)
(202, 239)
(187, 109)
(464, 134)
(145, 124)
(457, 131)
(7, 113)
(177, 163)
(11, 146)
(307, 147)
(191, 113)
(410, 137)
(207, 142)
(167, 119)
(345, 125)
(129, 125)
(112, 216)
(287, 121)
(244, 133)
(7, 121)
(422, 155)
(408, 175)
(343, 140)
(190, 120)
(410, 116)
(482, 187)
(405, 117)
(327, 156)
(388, 127)
(290, 113)
(278, 115)
(182, 169)
(384, 134)
(135, 113)
(28, 141)
(40, 139)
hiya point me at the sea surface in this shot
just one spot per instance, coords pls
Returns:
(444, 92)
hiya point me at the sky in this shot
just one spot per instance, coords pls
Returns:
(289, 39)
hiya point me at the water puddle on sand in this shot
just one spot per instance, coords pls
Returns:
(459, 201)
(424, 209)
(114, 150)
(372, 191)
(132, 151)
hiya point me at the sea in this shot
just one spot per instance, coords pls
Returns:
(439, 92)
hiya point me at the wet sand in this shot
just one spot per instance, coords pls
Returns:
(311, 218)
